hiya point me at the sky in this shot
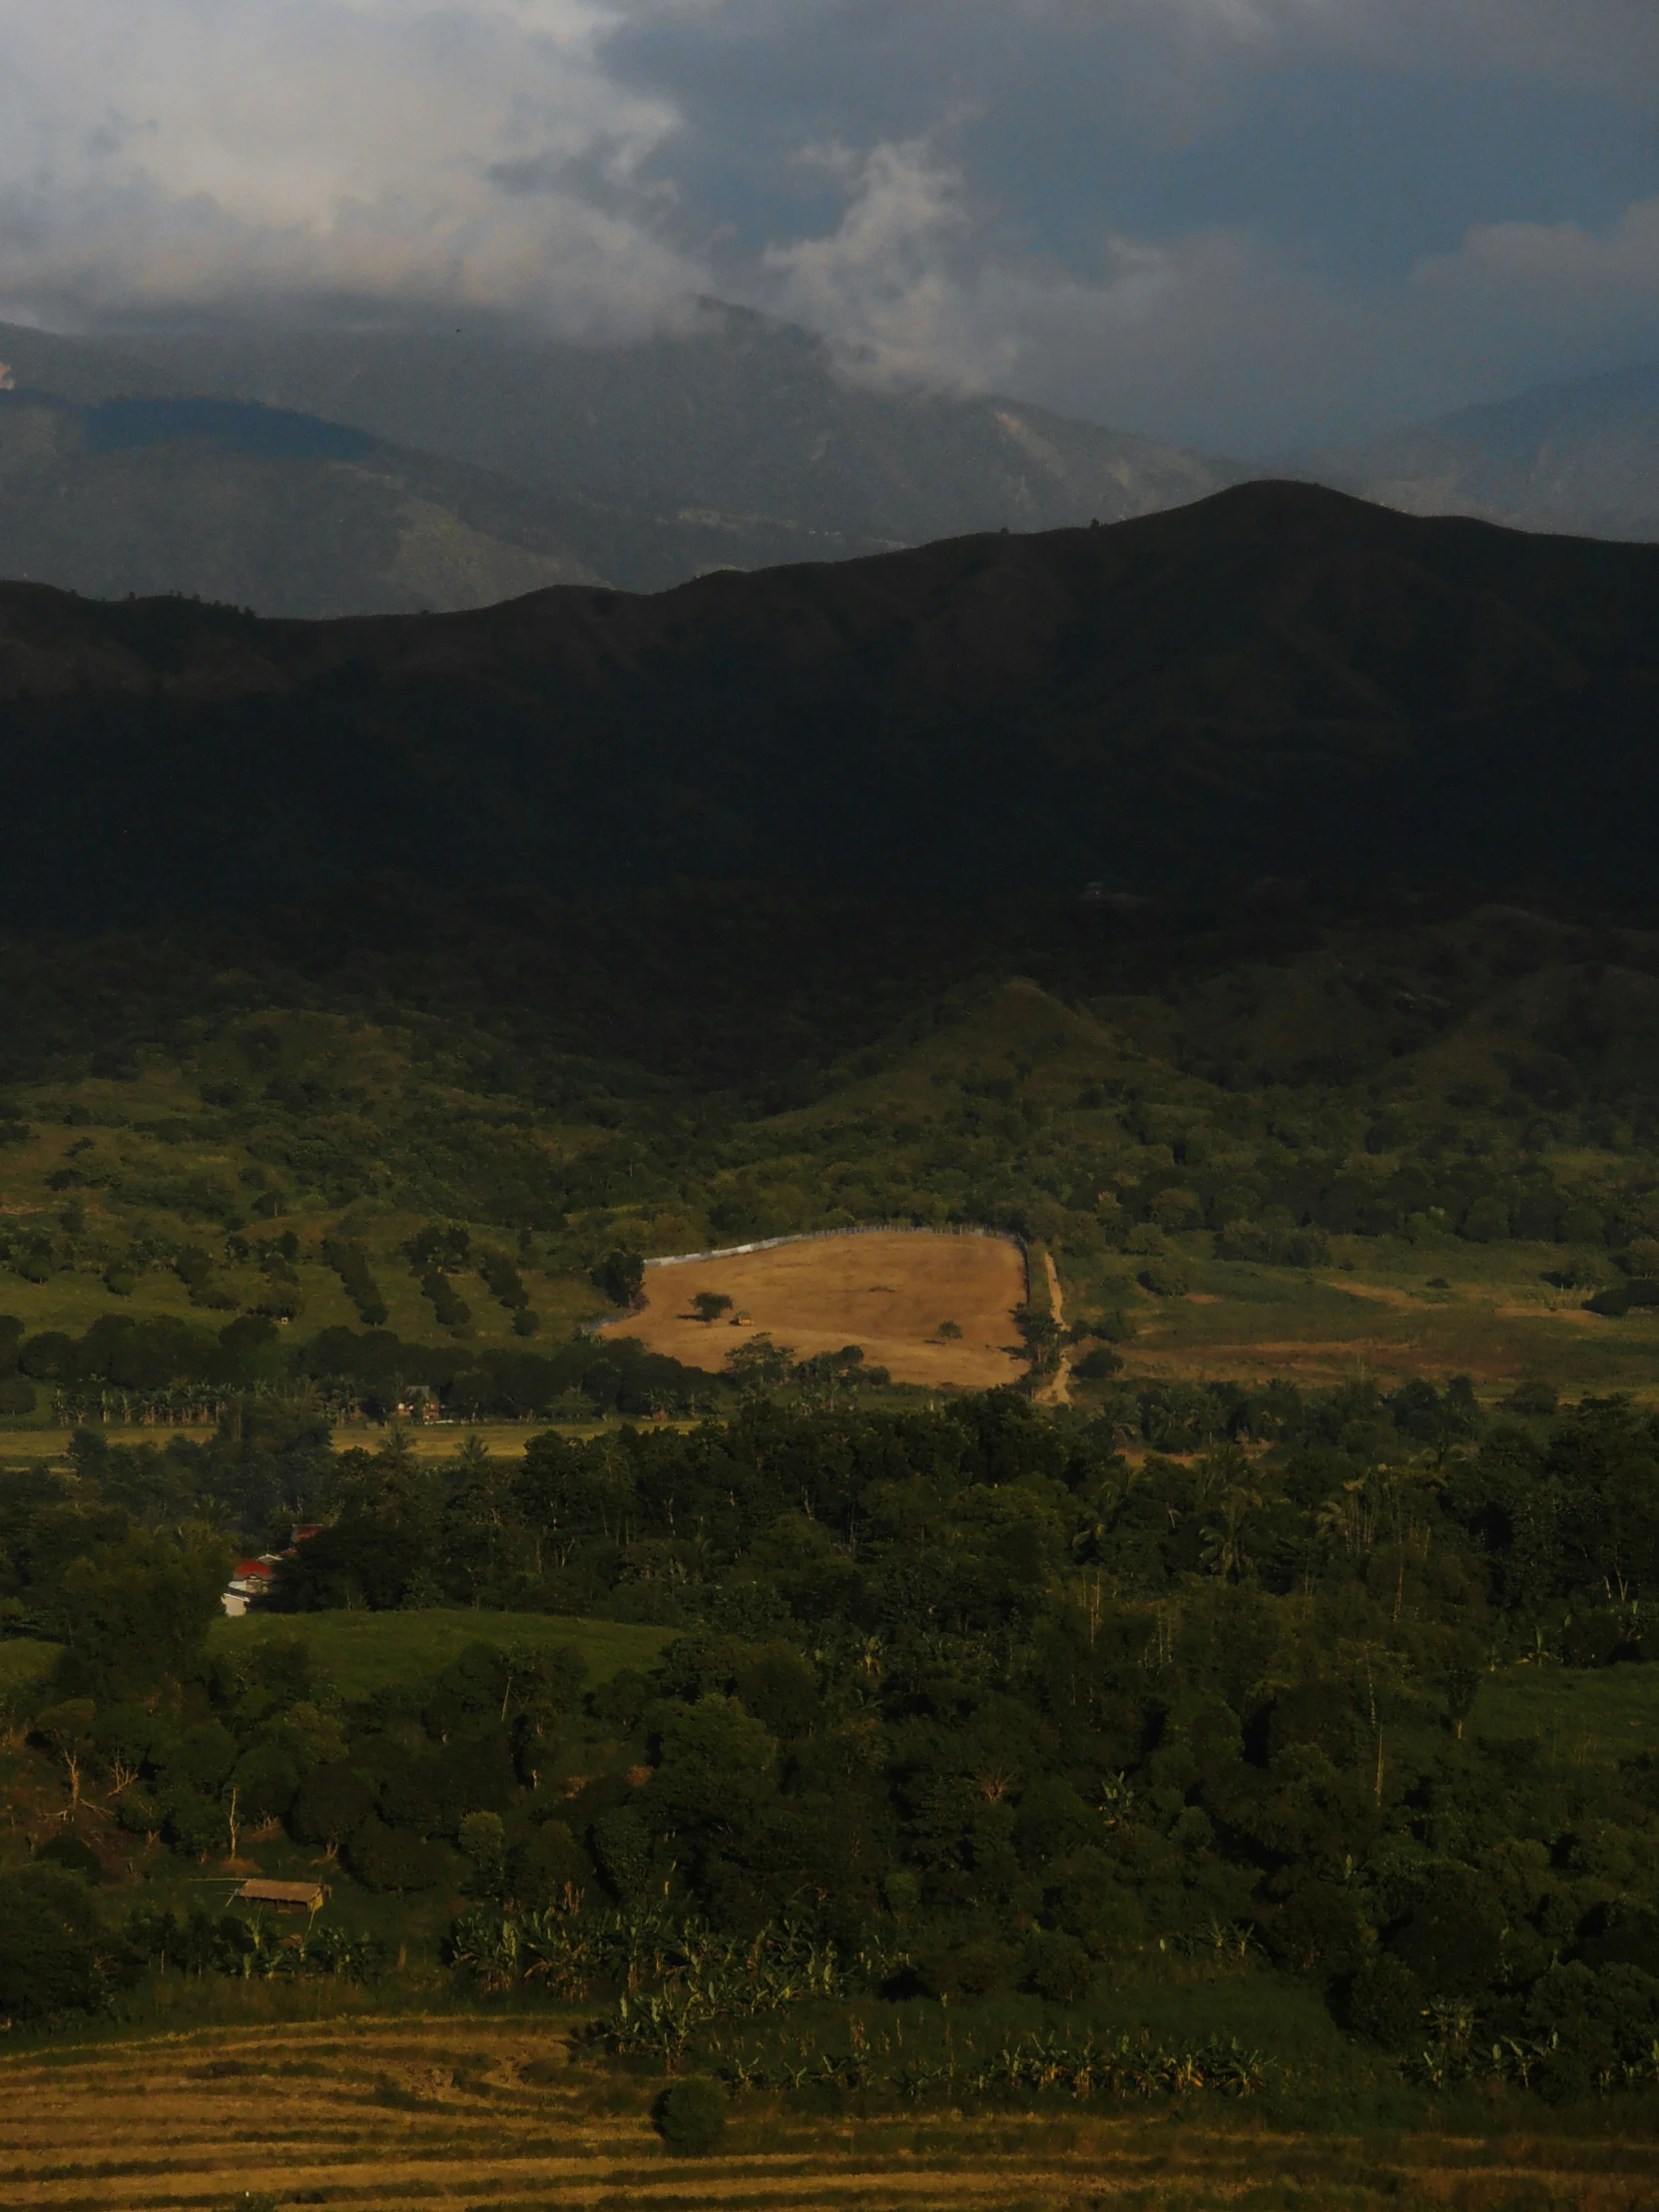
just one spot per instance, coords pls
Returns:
(1251, 226)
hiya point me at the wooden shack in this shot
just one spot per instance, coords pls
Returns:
(287, 1897)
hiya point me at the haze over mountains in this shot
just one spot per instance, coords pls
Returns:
(1278, 680)
(1580, 457)
(321, 472)
(483, 465)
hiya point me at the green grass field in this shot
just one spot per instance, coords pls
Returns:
(362, 1651)
(1380, 1309)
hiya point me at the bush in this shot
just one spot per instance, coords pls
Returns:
(69, 1851)
(1058, 1968)
(547, 1864)
(1386, 2002)
(1098, 1366)
(691, 2115)
(17, 1395)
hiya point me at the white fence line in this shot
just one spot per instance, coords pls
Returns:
(861, 1229)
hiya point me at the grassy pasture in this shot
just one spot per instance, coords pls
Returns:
(1377, 1309)
(362, 1651)
(371, 2112)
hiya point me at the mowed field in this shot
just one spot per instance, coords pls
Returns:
(886, 1293)
(456, 2114)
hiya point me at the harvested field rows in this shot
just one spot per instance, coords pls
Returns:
(456, 2114)
(886, 1293)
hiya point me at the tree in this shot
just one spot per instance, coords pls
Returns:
(620, 1274)
(54, 1956)
(68, 1728)
(138, 1613)
(330, 1804)
(759, 1366)
(707, 1306)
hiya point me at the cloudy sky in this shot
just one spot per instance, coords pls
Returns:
(1243, 224)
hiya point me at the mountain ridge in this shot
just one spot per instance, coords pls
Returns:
(1579, 455)
(736, 444)
(1277, 681)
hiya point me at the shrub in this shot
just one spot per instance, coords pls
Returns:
(69, 1851)
(691, 2115)
(1386, 2002)
(1098, 1366)
(1058, 1968)
(547, 1864)
(16, 1395)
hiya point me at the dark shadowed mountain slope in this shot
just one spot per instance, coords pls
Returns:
(1579, 456)
(733, 443)
(1277, 681)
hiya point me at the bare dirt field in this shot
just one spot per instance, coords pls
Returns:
(886, 1293)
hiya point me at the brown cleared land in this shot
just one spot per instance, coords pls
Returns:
(372, 2114)
(886, 1293)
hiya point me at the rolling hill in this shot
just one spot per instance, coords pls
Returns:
(1278, 681)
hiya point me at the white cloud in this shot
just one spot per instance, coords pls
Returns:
(1217, 336)
(204, 150)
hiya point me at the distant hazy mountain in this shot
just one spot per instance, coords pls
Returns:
(247, 505)
(1581, 457)
(1278, 681)
(734, 446)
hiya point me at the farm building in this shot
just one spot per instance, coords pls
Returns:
(287, 1897)
(251, 1579)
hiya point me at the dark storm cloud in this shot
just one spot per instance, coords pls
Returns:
(1246, 222)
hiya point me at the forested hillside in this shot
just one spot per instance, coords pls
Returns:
(1248, 1701)
(1278, 681)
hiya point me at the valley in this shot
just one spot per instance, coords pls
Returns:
(1106, 1658)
